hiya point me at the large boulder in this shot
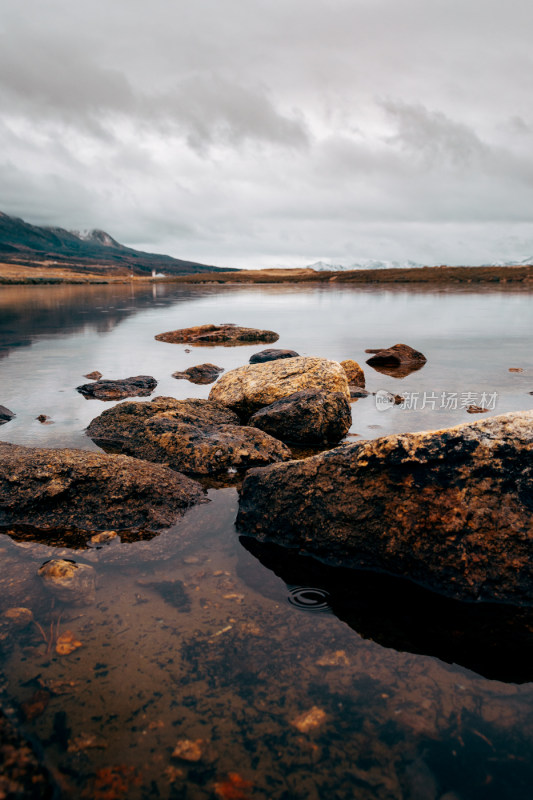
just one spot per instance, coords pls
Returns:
(354, 373)
(306, 417)
(92, 491)
(451, 509)
(272, 354)
(217, 334)
(249, 388)
(138, 386)
(194, 436)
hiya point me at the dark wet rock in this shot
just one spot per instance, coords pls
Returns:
(354, 373)
(397, 361)
(356, 392)
(272, 354)
(249, 388)
(201, 373)
(43, 418)
(306, 417)
(93, 376)
(92, 491)
(451, 510)
(218, 334)
(6, 415)
(69, 582)
(139, 386)
(194, 436)
(22, 776)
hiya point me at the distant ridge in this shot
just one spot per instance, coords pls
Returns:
(86, 251)
(372, 263)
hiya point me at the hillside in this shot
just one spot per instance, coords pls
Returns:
(92, 251)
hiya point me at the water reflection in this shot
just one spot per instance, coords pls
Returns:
(493, 640)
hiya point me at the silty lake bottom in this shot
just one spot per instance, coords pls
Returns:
(291, 679)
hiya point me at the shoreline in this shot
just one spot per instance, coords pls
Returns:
(443, 275)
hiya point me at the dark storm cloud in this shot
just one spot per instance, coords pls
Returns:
(265, 132)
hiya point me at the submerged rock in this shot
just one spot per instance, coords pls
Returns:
(92, 491)
(93, 376)
(354, 373)
(6, 415)
(249, 388)
(306, 417)
(451, 510)
(272, 354)
(201, 373)
(213, 334)
(139, 386)
(397, 361)
(194, 436)
(70, 582)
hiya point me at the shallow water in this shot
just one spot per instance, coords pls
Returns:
(414, 696)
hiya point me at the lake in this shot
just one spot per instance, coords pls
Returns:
(276, 676)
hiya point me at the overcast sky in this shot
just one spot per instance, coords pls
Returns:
(274, 132)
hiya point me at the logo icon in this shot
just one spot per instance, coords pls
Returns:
(384, 400)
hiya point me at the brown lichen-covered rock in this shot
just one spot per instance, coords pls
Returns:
(249, 388)
(92, 491)
(195, 436)
(354, 373)
(70, 582)
(306, 417)
(272, 354)
(450, 509)
(139, 386)
(217, 334)
(201, 373)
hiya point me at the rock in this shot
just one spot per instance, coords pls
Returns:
(44, 419)
(139, 386)
(249, 388)
(213, 334)
(91, 491)
(397, 361)
(476, 410)
(202, 373)
(194, 436)
(70, 582)
(190, 749)
(22, 774)
(451, 510)
(18, 617)
(93, 376)
(6, 415)
(309, 720)
(272, 354)
(354, 373)
(356, 392)
(306, 417)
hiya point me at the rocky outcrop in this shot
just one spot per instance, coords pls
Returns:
(139, 386)
(354, 373)
(200, 374)
(249, 388)
(194, 436)
(5, 415)
(397, 361)
(451, 509)
(217, 334)
(272, 354)
(68, 581)
(92, 491)
(306, 417)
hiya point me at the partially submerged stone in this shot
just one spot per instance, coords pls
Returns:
(138, 386)
(93, 376)
(451, 509)
(90, 491)
(249, 388)
(201, 373)
(354, 373)
(6, 415)
(218, 334)
(306, 417)
(69, 582)
(272, 354)
(397, 361)
(194, 436)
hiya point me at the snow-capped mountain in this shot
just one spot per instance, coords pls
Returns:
(363, 263)
(97, 236)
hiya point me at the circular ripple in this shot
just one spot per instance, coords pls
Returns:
(309, 598)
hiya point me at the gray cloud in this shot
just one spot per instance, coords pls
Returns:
(254, 133)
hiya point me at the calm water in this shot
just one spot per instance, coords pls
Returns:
(418, 698)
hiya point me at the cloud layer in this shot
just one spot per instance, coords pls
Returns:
(265, 133)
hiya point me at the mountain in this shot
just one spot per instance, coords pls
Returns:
(86, 251)
(363, 263)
